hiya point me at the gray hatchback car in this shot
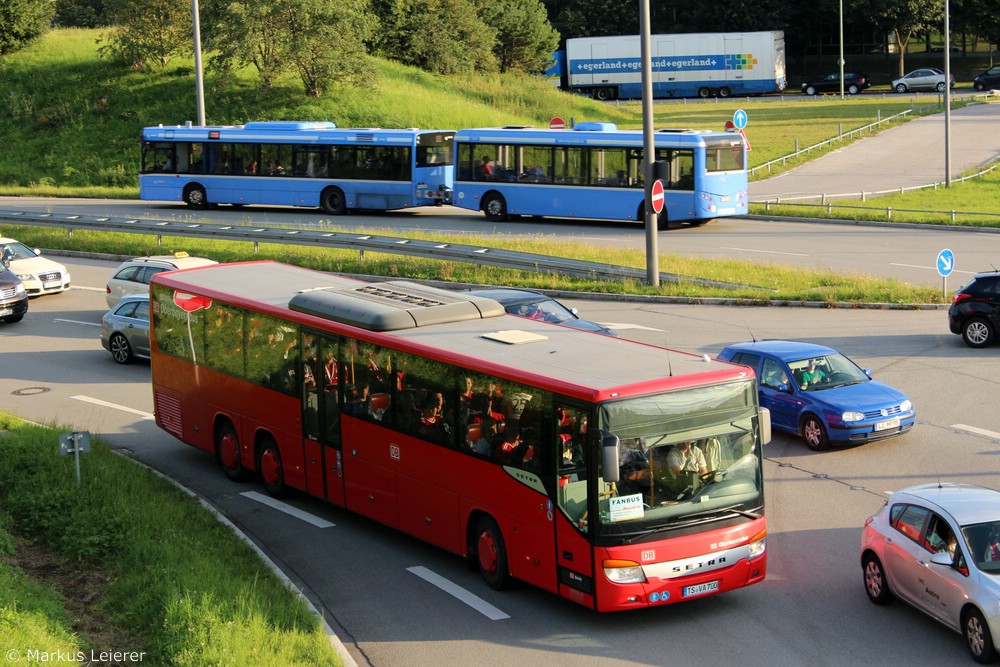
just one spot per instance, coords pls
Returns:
(13, 297)
(125, 329)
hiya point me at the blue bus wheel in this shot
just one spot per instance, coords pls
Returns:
(332, 201)
(195, 197)
(495, 207)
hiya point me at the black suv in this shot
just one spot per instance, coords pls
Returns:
(13, 298)
(975, 310)
(988, 79)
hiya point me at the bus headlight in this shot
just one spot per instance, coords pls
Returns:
(624, 572)
(757, 548)
(852, 416)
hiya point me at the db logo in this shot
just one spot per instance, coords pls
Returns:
(649, 555)
(394, 452)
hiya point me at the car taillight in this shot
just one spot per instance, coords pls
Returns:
(961, 296)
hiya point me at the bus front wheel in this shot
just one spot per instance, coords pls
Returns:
(491, 553)
(195, 197)
(332, 201)
(227, 448)
(495, 207)
(272, 474)
(662, 223)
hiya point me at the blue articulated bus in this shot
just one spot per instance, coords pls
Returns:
(292, 163)
(594, 171)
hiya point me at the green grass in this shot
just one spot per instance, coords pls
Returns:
(762, 281)
(164, 588)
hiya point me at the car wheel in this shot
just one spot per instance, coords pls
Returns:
(495, 207)
(195, 197)
(815, 433)
(875, 583)
(978, 637)
(979, 85)
(227, 449)
(272, 474)
(900, 88)
(704, 92)
(121, 351)
(332, 201)
(940, 87)
(810, 90)
(491, 554)
(978, 332)
(853, 89)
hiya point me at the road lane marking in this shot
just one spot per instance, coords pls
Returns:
(453, 589)
(929, 268)
(976, 431)
(89, 289)
(766, 252)
(288, 509)
(97, 401)
(624, 325)
(91, 324)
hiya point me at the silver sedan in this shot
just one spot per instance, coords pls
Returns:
(927, 78)
(125, 329)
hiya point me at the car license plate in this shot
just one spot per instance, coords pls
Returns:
(4, 312)
(729, 210)
(701, 589)
(886, 425)
(51, 283)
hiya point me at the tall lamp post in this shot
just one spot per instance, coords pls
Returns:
(648, 146)
(947, 98)
(199, 80)
(840, 59)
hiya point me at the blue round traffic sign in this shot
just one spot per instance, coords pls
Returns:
(945, 262)
(740, 119)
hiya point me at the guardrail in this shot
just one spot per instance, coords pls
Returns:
(361, 242)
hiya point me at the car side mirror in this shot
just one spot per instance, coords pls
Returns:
(786, 388)
(867, 371)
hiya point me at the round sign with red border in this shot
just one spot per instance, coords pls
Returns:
(557, 123)
(656, 196)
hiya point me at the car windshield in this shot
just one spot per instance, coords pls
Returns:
(544, 309)
(984, 542)
(826, 372)
(14, 250)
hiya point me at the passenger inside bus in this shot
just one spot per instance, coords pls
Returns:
(486, 169)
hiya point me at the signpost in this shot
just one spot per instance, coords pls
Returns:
(945, 265)
(75, 443)
(656, 196)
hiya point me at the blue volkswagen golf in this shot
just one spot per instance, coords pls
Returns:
(818, 393)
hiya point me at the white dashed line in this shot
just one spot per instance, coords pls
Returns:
(453, 589)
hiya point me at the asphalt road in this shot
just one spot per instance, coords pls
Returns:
(907, 156)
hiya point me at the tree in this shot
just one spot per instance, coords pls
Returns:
(81, 13)
(22, 22)
(905, 18)
(442, 36)
(148, 31)
(525, 38)
(323, 41)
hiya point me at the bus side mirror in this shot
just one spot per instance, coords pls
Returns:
(609, 457)
(765, 426)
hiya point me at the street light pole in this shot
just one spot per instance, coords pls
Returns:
(648, 146)
(199, 81)
(947, 98)
(840, 59)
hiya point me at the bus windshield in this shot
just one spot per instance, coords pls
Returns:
(686, 458)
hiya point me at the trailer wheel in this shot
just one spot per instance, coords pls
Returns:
(604, 94)
(724, 91)
(704, 92)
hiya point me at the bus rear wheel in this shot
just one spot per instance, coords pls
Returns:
(491, 554)
(195, 197)
(332, 201)
(227, 449)
(495, 207)
(272, 474)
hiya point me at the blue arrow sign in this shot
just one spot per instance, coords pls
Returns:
(740, 119)
(945, 262)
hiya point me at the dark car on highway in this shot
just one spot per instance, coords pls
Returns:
(975, 310)
(13, 298)
(854, 83)
(536, 306)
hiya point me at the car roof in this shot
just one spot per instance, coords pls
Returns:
(966, 503)
(179, 261)
(133, 297)
(786, 350)
(507, 295)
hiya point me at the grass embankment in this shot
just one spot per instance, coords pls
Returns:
(126, 562)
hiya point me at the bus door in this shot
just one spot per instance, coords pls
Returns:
(573, 551)
(321, 416)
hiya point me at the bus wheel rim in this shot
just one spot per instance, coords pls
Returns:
(487, 552)
(270, 467)
(227, 449)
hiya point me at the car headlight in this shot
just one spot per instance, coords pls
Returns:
(906, 406)
(852, 416)
(19, 288)
(624, 572)
(25, 276)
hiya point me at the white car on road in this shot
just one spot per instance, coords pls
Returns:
(39, 274)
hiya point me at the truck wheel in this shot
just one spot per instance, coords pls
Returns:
(724, 91)
(704, 92)
(604, 94)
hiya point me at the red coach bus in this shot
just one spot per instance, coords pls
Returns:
(614, 474)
